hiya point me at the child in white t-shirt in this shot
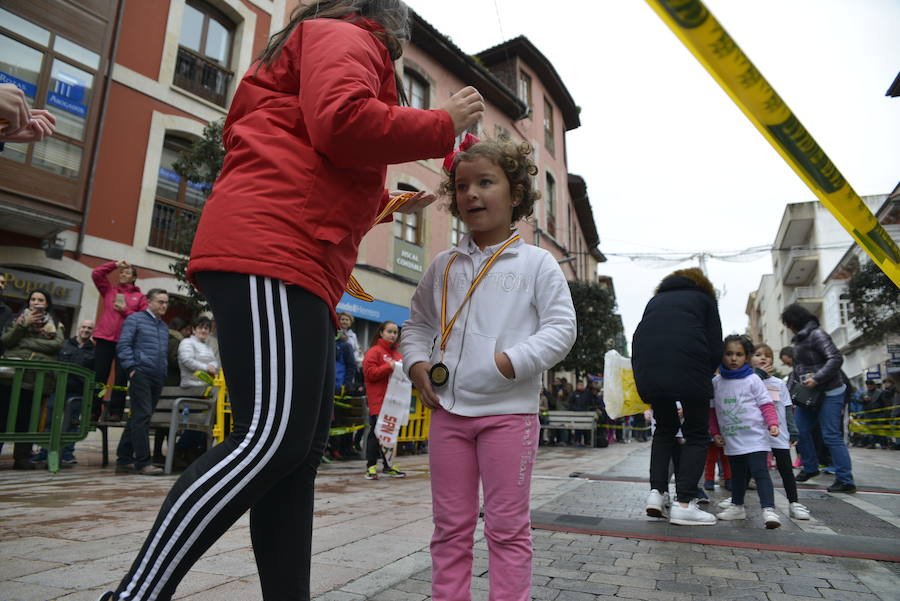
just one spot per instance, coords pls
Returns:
(762, 362)
(745, 422)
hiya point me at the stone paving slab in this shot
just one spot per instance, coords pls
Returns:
(572, 575)
(71, 535)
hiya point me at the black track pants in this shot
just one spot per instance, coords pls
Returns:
(277, 349)
(786, 471)
(695, 429)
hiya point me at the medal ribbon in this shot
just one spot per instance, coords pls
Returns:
(354, 288)
(447, 328)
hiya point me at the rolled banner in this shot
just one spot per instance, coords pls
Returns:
(710, 44)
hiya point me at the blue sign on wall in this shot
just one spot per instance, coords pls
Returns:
(376, 311)
(68, 94)
(28, 88)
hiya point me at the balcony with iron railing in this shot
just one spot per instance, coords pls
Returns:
(202, 76)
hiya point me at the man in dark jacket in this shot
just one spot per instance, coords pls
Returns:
(142, 351)
(581, 399)
(676, 350)
(77, 350)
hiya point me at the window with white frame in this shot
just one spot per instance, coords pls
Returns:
(408, 227)
(550, 203)
(178, 202)
(416, 88)
(549, 128)
(204, 52)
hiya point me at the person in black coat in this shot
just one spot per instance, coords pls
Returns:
(817, 365)
(78, 350)
(676, 350)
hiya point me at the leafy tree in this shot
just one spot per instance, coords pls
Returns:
(875, 302)
(201, 164)
(599, 328)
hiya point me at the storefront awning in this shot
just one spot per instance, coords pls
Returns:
(376, 311)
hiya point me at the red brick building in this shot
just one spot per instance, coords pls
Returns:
(132, 83)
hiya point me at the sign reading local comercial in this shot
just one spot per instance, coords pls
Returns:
(409, 259)
(19, 284)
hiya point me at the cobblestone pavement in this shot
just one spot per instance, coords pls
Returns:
(72, 535)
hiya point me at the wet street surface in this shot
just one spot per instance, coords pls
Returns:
(72, 535)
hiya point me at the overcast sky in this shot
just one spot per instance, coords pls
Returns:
(670, 161)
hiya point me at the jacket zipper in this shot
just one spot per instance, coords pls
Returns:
(462, 342)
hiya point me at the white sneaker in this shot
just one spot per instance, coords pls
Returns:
(656, 504)
(733, 512)
(690, 515)
(798, 511)
(724, 504)
(770, 518)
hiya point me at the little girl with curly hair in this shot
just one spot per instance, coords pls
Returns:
(488, 317)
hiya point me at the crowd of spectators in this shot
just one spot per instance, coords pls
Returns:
(130, 335)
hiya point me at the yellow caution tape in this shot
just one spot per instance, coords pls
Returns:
(855, 413)
(705, 37)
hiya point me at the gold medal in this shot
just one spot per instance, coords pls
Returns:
(439, 374)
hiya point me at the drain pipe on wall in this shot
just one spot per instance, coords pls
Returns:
(95, 151)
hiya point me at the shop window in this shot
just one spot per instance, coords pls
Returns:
(178, 202)
(55, 74)
(409, 227)
(416, 89)
(549, 140)
(204, 52)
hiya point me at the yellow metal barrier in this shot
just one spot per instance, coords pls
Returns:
(717, 51)
(223, 409)
(419, 422)
(414, 431)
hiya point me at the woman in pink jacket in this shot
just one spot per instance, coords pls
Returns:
(119, 302)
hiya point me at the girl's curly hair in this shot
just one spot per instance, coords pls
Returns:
(515, 161)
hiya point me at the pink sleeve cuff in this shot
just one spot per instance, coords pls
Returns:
(769, 414)
(713, 422)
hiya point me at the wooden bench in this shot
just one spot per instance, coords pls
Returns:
(571, 420)
(167, 417)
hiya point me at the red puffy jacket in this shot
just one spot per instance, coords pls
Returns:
(377, 372)
(308, 142)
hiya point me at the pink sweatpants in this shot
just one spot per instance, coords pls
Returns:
(499, 450)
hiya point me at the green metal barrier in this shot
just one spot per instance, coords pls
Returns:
(30, 378)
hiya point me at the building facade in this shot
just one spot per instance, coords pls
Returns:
(134, 83)
(808, 248)
(862, 360)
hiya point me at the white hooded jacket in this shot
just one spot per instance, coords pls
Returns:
(522, 308)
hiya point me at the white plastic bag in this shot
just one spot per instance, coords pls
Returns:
(619, 391)
(395, 409)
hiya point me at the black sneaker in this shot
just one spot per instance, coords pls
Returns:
(804, 476)
(842, 487)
